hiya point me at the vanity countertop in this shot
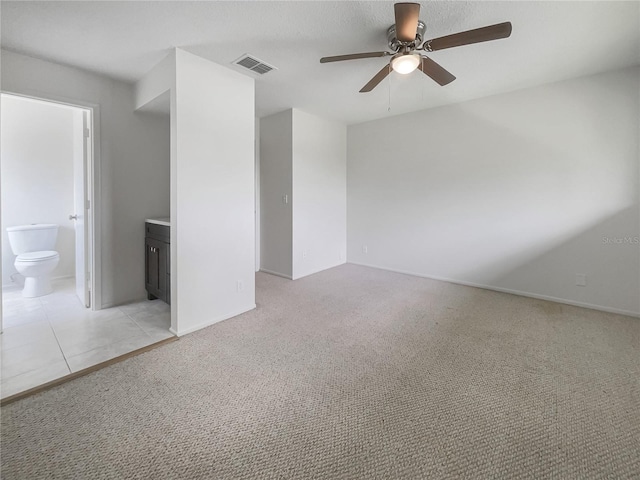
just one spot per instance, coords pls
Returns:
(166, 221)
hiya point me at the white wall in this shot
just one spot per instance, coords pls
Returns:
(257, 192)
(37, 152)
(213, 185)
(153, 87)
(302, 157)
(319, 194)
(276, 220)
(134, 158)
(513, 192)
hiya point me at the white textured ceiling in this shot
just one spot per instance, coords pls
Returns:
(551, 41)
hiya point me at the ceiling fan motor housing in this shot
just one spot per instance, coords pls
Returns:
(395, 44)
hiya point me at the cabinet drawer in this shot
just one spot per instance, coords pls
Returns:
(159, 232)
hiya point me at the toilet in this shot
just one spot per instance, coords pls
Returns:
(36, 258)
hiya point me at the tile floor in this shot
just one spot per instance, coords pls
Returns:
(48, 337)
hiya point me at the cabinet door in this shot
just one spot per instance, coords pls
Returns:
(156, 267)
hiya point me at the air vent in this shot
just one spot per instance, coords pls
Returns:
(253, 64)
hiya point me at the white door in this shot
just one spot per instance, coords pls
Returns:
(82, 151)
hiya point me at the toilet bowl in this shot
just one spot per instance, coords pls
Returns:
(36, 259)
(36, 267)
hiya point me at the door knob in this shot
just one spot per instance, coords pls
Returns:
(73, 217)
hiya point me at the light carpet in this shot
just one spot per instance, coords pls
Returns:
(353, 373)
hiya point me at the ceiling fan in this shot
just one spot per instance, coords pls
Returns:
(405, 38)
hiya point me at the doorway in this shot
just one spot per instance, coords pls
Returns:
(50, 177)
(47, 179)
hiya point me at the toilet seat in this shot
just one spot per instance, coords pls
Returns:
(35, 257)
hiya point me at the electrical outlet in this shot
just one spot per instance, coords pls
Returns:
(339, 255)
(240, 285)
(581, 279)
(365, 249)
(305, 254)
(285, 199)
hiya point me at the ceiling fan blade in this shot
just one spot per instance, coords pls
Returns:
(353, 56)
(435, 71)
(373, 83)
(484, 34)
(406, 21)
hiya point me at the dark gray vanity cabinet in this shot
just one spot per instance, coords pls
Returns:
(157, 262)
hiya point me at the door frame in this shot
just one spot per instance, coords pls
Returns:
(95, 206)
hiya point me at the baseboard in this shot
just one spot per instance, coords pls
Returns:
(313, 272)
(212, 321)
(15, 286)
(521, 293)
(119, 304)
(277, 274)
(11, 288)
(63, 277)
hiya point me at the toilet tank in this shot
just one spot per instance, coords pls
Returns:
(32, 238)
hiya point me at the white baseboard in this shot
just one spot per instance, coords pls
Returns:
(313, 272)
(11, 287)
(124, 302)
(63, 277)
(15, 286)
(510, 291)
(212, 321)
(277, 274)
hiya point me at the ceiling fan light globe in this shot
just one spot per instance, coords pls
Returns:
(407, 63)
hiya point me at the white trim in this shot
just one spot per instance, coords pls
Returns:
(124, 302)
(277, 274)
(63, 277)
(96, 213)
(510, 291)
(313, 272)
(96, 204)
(14, 286)
(212, 321)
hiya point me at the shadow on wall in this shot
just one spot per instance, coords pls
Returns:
(571, 213)
(511, 192)
(607, 254)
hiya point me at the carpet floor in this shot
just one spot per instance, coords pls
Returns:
(353, 373)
